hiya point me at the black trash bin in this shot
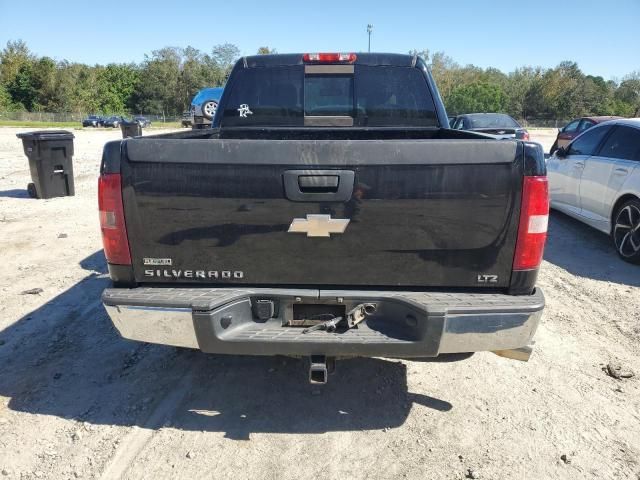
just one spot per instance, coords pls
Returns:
(130, 129)
(50, 154)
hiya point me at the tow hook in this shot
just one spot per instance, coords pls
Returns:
(319, 368)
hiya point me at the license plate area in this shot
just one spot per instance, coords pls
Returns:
(309, 314)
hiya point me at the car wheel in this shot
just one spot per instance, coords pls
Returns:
(553, 148)
(626, 231)
(209, 109)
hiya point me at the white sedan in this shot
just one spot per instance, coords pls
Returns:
(596, 179)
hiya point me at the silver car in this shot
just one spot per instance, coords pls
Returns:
(596, 179)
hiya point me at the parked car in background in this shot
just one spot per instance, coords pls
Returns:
(500, 125)
(93, 121)
(113, 121)
(596, 179)
(574, 128)
(142, 121)
(204, 106)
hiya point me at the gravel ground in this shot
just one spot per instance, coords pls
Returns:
(77, 401)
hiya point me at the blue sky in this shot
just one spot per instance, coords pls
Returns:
(602, 36)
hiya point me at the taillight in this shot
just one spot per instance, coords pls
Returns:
(525, 135)
(329, 57)
(114, 231)
(534, 219)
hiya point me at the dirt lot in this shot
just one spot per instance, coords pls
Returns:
(77, 401)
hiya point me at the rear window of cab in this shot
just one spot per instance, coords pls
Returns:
(375, 96)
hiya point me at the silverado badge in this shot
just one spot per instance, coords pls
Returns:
(318, 225)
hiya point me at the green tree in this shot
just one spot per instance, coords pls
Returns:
(159, 83)
(21, 88)
(224, 56)
(77, 87)
(562, 91)
(519, 84)
(116, 84)
(628, 94)
(197, 71)
(6, 104)
(597, 96)
(14, 56)
(44, 82)
(444, 71)
(476, 97)
(266, 51)
(425, 54)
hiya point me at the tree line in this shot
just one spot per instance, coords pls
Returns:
(163, 83)
(167, 79)
(562, 92)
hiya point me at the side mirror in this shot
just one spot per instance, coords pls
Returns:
(561, 152)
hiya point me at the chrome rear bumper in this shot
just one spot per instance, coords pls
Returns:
(406, 324)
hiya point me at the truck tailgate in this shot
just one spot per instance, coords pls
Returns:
(420, 213)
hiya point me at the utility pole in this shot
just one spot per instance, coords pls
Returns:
(369, 30)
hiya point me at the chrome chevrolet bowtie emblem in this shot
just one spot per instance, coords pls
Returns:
(318, 225)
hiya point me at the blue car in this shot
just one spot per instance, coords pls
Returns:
(204, 105)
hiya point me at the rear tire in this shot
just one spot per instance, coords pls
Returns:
(626, 231)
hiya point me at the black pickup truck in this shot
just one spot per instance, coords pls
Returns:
(330, 212)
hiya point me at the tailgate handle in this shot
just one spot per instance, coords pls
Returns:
(318, 185)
